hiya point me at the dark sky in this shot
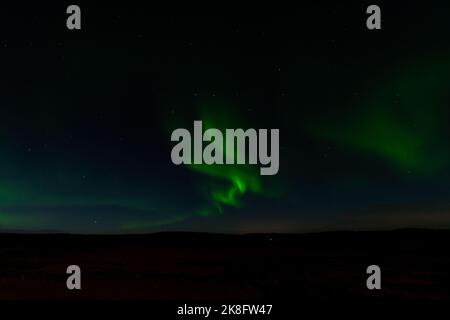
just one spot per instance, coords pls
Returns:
(86, 118)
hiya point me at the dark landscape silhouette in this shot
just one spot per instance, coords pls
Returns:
(216, 267)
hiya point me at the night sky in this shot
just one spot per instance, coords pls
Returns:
(86, 118)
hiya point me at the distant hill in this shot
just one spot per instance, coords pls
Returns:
(177, 266)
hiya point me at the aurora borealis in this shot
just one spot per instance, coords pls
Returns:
(86, 118)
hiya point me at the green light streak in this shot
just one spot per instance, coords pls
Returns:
(400, 122)
(225, 185)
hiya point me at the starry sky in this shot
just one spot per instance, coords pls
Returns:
(86, 118)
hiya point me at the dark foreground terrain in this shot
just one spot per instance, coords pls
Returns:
(415, 265)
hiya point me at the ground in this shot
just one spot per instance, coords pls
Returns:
(415, 265)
